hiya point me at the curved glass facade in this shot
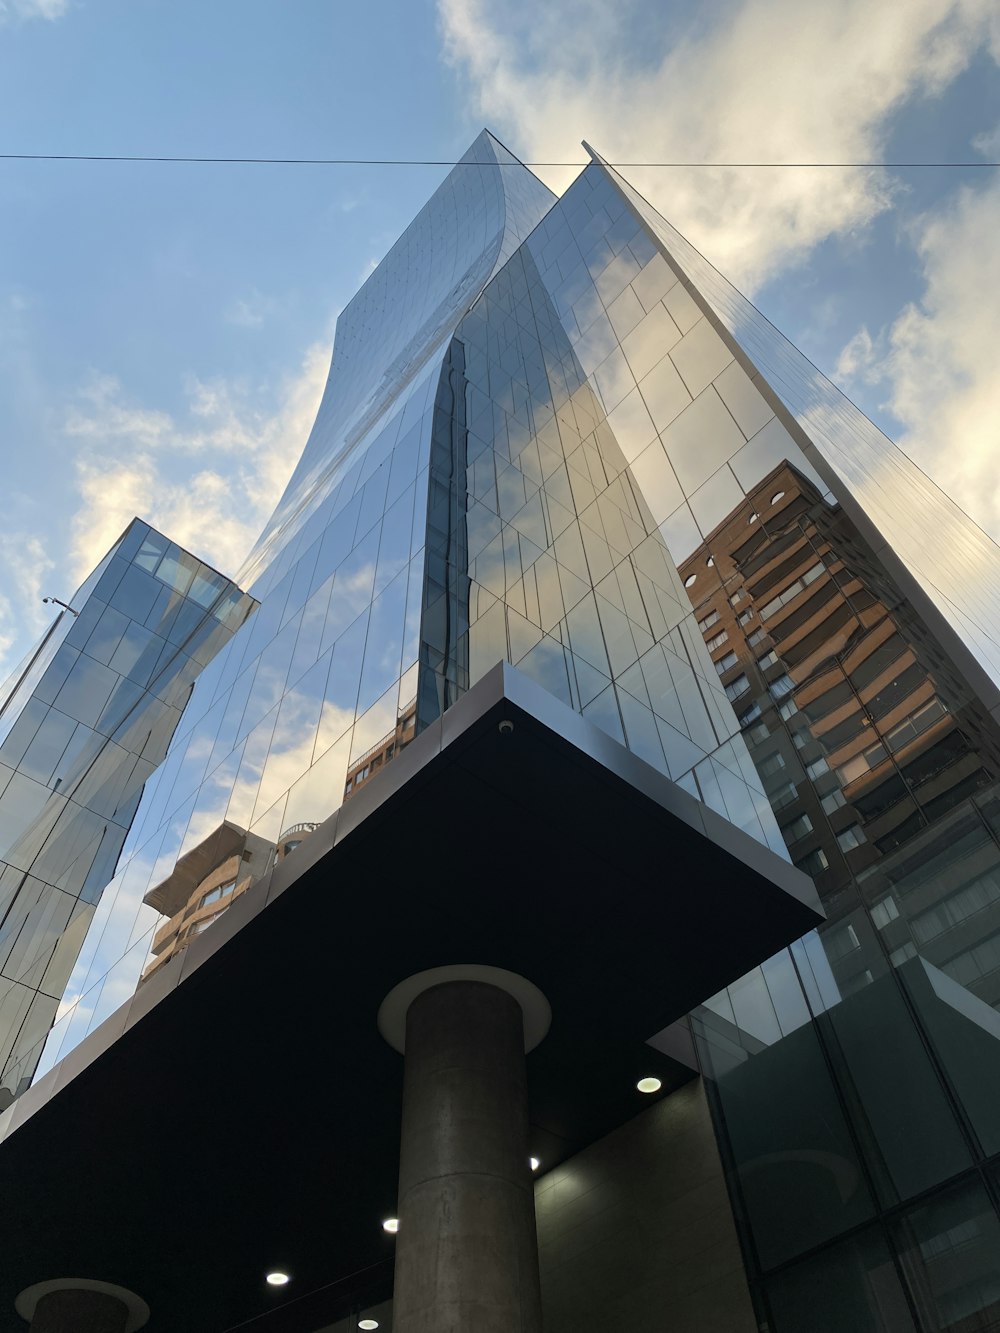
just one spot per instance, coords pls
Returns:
(391, 336)
(307, 704)
(553, 434)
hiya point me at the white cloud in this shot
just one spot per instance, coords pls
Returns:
(247, 451)
(988, 143)
(28, 562)
(937, 362)
(767, 80)
(13, 11)
(26, 566)
(9, 631)
(101, 415)
(860, 359)
(251, 312)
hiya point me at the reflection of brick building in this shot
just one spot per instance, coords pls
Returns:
(204, 883)
(382, 752)
(207, 880)
(291, 838)
(861, 734)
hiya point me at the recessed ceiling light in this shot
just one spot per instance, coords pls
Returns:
(277, 1279)
(391, 1224)
(367, 1323)
(649, 1085)
(535, 1163)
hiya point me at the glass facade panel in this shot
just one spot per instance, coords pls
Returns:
(854, 1285)
(800, 1173)
(948, 1250)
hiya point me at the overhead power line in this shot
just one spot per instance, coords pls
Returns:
(442, 162)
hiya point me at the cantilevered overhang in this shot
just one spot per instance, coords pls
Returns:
(242, 1113)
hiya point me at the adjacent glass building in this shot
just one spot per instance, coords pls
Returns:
(554, 435)
(84, 721)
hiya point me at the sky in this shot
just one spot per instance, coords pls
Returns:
(165, 329)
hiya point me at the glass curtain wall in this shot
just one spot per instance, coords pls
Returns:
(320, 688)
(960, 569)
(855, 1077)
(600, 448)
(541, 547)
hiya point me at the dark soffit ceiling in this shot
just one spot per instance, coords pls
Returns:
(249, 1118)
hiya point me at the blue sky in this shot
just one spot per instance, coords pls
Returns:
(165, 329)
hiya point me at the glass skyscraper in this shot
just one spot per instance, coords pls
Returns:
(553, 435)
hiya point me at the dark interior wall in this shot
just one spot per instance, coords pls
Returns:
(636, 1231)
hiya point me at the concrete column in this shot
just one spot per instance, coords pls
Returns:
(466, 1252)
(79, 1312)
